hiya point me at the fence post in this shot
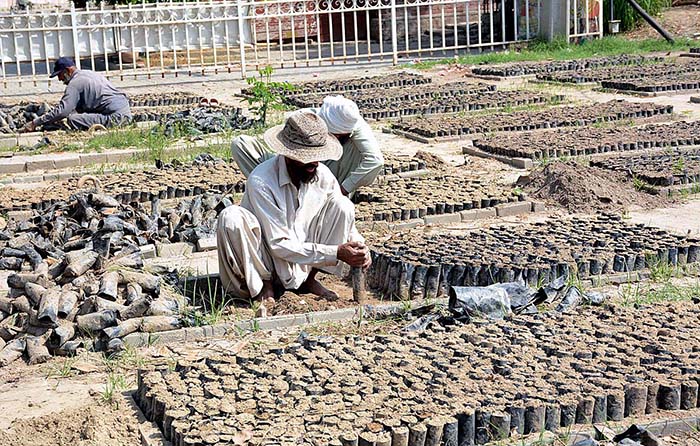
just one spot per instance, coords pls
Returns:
(394, 35)
(74, 30)
(241, 39)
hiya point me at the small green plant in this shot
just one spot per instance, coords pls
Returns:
(518, 191)
(406, 305)
(131, 358)
(152, 339)
(659, 270)
(679, 166)
(116, 383)
(574, 281)
(641, 185)
(629, 293)
(61, 370)
(266, 95)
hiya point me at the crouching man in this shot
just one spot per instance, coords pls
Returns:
(293, 220)
(89, 99)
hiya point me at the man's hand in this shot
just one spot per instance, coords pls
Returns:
(28, 127)
(354, 254)
(368, 260)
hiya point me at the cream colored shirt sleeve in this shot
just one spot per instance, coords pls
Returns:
(281, 239)
(371, 162)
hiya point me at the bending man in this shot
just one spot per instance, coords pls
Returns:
(293, 220)
(89, 99)
(361, 160)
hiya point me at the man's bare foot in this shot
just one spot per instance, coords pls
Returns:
(266, 299)
(313, 286)
(267, 292)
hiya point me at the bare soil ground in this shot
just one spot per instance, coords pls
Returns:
(680, 21)
(581, 188)
(681, 218)
(63, 411)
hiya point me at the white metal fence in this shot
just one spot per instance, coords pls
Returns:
(175, 38)
(585, 19)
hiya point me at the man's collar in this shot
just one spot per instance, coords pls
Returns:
(282, 172)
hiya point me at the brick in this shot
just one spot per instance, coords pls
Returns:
(276, 322)
(29, 139)
(511, 209)
(538, 206)
(170, 337)
(29, 179)
(4, 287)
(146, 124)
(407, 224)
(117, 157)
(442, 219)
(50, 177)
(93, 158)
(65, 161)
(221, 330)
(136, 339)
(19, 215)
(43, 163)
(206, 244)
(66, 175)
(12, 166)
(174, 249)
(194, 333)
(343, 314)
(148, 251)
(477, 214)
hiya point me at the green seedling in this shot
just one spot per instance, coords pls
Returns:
(266, 95)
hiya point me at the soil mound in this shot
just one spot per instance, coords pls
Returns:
(94, 425)
(581, 188)
(431, 161)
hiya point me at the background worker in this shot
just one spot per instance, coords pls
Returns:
(89, 99)
(361, 161)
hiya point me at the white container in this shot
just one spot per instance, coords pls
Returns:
(613, 26)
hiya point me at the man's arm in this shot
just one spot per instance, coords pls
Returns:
(280, 238)
(65, 107)
(371, 163)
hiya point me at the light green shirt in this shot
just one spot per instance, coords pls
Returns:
(362, 160)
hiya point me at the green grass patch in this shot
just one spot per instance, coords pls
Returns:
(559, 49)
(669, 292)
(628, 16)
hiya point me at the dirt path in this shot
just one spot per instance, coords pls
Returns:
(682, 219)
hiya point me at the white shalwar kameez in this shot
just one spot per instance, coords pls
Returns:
(280, 233)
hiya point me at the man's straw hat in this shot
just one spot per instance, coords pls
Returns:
(304, 137)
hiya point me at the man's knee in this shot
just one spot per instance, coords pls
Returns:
(240, 142)
(232, 217)
(343, 206)
(74, 121)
